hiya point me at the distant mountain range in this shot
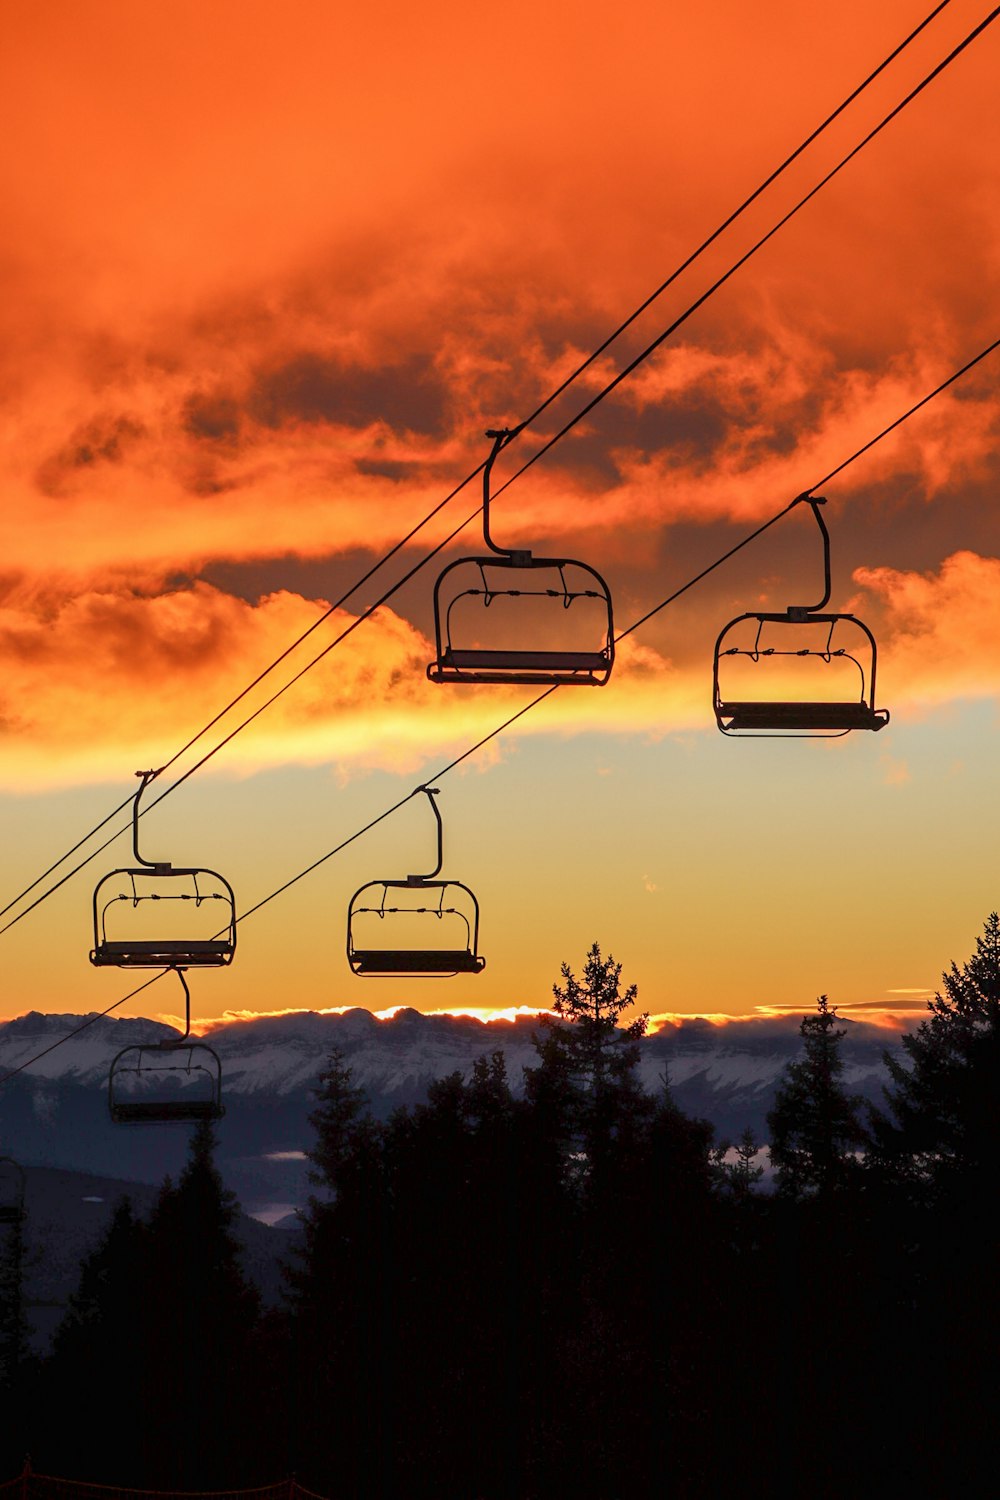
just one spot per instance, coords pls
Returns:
(55, 1113)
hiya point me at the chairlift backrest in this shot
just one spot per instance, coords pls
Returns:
(419, 926)
(563, 605)
(157, 915)
(176, 1082)
(165, 1083)
(798, 673)
(172, 918)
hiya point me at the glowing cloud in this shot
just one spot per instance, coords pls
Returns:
(943, 637)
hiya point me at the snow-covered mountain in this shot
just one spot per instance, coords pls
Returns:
(55, 1113)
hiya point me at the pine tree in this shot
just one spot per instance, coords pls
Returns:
(588, 1060)
(342, 1294)
(101, 1334)
(597, 1047)
(944, 1094)
(942, 1146)
(199, 1321)
(14, 1329)
(346, 1165)
(594, 1119)
(815, 1126)
(341, 1107)
(741, 1176)
(13, 1326)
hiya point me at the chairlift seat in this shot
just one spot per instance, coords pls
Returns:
(528, 667)
(140, 900)
(809, 717)
(143, 1087)
(802, 716)
(165, 1112)
(589, 665)
(162, 953)
(383, 940)
(422, 961)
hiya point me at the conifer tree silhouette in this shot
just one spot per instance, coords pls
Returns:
(938, 1147)
(14, 1331)
(199, 1317)
(101, 1333)
(815, 1125)
(739, 1177)
(588, 1059)
(342, 1296)
(944, 1093)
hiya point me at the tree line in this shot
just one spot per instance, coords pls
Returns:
(568, 1289)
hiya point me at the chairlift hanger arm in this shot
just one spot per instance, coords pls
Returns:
(798, 611)
(431, 793)
(501, 437)
(187, 1012)
(144, 778)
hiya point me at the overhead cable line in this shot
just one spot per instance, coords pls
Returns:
(540, 698)
(957, 374)
(527, 422)
(68, 855)
(569, 380)
(729, 222)
(640, 358)
(628, 369)
(612, 385)
(630, 629)
(97, 1016)
(907, 414)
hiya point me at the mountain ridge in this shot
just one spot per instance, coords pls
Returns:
(54, 1112)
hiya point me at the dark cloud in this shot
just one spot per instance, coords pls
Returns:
(212, 415)
(386, 468)
(585, 458)
(693, 425)
(690, 427)
(310, 387)
(105, 439)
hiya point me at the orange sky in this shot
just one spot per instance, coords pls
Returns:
(270, 271)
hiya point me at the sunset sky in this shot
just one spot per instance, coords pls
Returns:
(271, 271)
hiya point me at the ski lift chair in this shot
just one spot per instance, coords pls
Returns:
(837, 656)
(176, 1082)
(160, 915)
(419, 927)
(11, 1191)
(565, 601)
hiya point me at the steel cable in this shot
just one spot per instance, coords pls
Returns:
(541, 697)
(527, 422)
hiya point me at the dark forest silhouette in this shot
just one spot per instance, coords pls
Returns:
(574, 1291)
